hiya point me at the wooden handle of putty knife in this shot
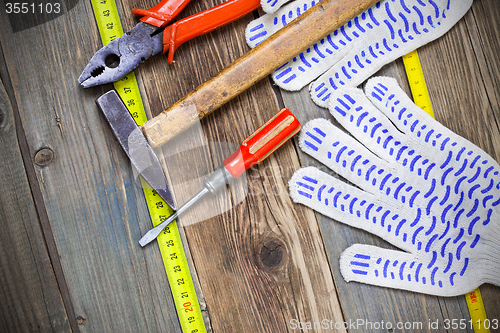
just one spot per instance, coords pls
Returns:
(323, 18)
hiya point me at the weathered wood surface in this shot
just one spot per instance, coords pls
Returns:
(30, 296)
(96, 211)
(260, 264)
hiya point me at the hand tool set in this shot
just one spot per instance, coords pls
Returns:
(255, 149)
(151, 36)
(372, 34)
(237, 77)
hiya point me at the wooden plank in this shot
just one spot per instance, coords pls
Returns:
(96, 211)
(261, 264)
(30, 295)
(484, 29)
(451, 92)
(472, 91)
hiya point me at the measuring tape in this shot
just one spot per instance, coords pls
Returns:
(417, 82)
(169, 241)
(176, 265)
(477, 312)
(421, 98)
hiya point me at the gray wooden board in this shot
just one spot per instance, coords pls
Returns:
(462, 74)
(96, 211)
(30, 299)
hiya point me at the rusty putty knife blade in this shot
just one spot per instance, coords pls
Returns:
(135, 144)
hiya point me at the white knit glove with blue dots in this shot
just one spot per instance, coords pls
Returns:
(421, 187)
(353, 53)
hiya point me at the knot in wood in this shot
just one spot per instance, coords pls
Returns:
(271, 253)
(81, 320)
(44, 156)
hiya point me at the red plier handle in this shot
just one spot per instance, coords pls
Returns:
(198, 24)
(161, 14)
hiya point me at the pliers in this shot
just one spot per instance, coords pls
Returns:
(152, 35)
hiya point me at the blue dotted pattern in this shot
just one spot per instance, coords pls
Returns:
(258, 33)
(393, 22)
(458, 182)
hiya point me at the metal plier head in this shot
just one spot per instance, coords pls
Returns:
(122, 55)
(152, 35)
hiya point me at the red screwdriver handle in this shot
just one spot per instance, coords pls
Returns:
(263, 142)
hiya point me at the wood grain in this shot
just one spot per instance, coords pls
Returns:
(253, 66)
(96, 211)
(460, 90)
(30, 293)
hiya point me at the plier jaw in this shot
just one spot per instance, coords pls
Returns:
(152, 35)
(122, 55)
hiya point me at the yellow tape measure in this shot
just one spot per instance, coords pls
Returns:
(421, 98)
(176, 265)
(417, 82)
(477, 313)
(169, 241)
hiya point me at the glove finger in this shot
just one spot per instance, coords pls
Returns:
(395, 269)
(389, 31)
(260, 29)
(351, 160)
(470, 171)
(271, 6)
(352, 206)
(415, 216)
(341, 153)
(301, 70)
(426, 134)
(367, 124)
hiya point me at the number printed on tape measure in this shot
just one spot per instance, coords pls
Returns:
(169, 241)
(479, 321)
(176, 266)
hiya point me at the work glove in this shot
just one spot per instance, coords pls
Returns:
(357, 50)
(419, 186)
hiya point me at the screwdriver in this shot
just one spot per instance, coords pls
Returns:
(253, 150)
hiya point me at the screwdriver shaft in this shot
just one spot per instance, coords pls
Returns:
(153, 233)
(253, 150)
